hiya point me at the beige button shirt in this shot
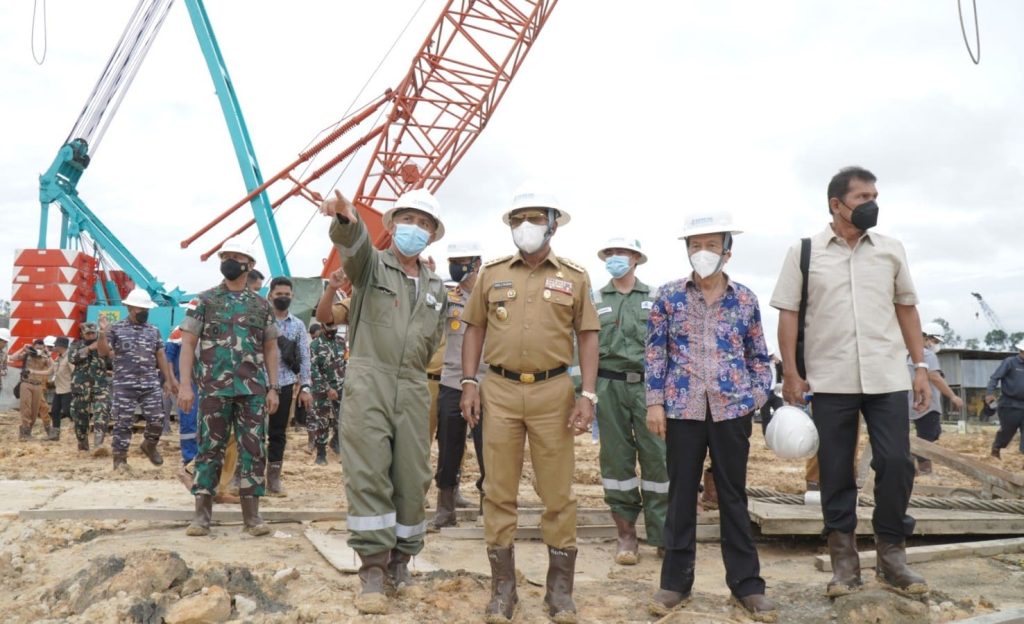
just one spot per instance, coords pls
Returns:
(853, 342)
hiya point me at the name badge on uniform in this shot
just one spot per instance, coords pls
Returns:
(558, 285)
(646, 305)
(603, 311)
(505, 284)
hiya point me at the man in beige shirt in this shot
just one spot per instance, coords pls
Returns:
(61, 407)
(861, 321)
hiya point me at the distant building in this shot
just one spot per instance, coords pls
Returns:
(967, 372)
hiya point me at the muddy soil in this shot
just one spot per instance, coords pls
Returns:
(134, 571)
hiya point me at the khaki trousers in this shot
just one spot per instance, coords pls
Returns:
(33, 405)
(538, 412)
(435, 389)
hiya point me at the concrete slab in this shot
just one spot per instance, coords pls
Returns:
(149, 494)
(16, 496)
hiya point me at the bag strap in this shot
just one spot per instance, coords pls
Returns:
(805, 268)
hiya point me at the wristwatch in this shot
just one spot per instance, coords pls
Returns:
(923, 365)
(590, 396)
(275, 387)
(303, 388)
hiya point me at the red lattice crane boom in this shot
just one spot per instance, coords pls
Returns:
(456, 81)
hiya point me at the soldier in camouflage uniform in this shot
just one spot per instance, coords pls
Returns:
(88, 387)
(326, 388)
(336, 341)
(138, 354)
(237, 337)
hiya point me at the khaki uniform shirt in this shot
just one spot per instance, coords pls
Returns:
(528, 312)
(39, 368)
(623, 326)
(852, 340)
(394, 324)
(339, 312)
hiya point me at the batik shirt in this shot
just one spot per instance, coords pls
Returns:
(701, 354)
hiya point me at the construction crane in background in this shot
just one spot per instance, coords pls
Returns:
(456, 81)
(990, 314)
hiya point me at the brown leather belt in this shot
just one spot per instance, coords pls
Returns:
(528, 378)
(433, 377)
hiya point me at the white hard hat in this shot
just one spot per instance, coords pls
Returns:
(621, 242)
(49, 341)
(791, 433)
(933, 330)
(237, 245)
(535, 194)
(5, 334)
(139, 298)
(418, 199)
(708, 223)
(464, 249)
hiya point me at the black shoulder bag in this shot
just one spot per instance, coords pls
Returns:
(805, 267)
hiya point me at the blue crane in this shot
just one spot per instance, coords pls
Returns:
(80, 226)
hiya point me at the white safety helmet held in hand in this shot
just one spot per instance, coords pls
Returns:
(139, 298)
(464, 249)
(237, 245)
(791, 434)
(708, 223)
(621, 242)
(5, 334)
(49, 341)
(534, 194)
(933, 330)
(417, 199)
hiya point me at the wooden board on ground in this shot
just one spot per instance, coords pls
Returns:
(705, 532)
(995, 480)
(337, 553)
(220, 514)
(920, 554)
(775, 519)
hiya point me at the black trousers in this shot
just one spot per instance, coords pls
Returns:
(451, 440)
(1011, 419)
(888, 420)
(687, 442)
(61, 408)
(928, 427)
(277, 425)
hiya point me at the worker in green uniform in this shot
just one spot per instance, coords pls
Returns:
(396, 318)
(623, 305)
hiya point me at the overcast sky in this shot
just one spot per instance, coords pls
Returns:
(637, 112)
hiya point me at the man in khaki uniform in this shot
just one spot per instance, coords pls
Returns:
(36, 368)
(528, 306)
(396, 318)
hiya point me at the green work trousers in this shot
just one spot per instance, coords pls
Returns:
(622, 423)
(385, 456)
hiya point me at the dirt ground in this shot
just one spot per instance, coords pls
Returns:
(135, 571)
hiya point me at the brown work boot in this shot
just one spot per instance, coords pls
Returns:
(842, 550)
(120, 462)
(813, 486)
(758, 607)
(398, 570)
(995, 452)
(892, 569)
(924, 466)
(665, 601)
(200, 524)
(274, 487)
(148, 448)
(24, 434)
(254, 524)
(373, 578)
(235, 484)
(504, 597)
(709, 500)
(561, 573)
(83, 443)
(445, 516)
(628, 550)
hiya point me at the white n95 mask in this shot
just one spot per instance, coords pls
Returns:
(529, 237)
(706, 263)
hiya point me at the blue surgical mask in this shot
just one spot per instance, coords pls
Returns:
(410, 239)
(617, 265)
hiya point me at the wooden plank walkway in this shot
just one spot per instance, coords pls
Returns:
(775, 519)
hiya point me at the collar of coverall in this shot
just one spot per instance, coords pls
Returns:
(638, 286)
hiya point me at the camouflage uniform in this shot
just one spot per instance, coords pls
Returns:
(89, 389)
(136, 381)
(324, 369)
(229, 372)
(339, 346)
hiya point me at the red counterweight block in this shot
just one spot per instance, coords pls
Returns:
(50, 292)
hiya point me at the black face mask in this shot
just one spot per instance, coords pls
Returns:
(89, 341)
(232, 269)
(865, 216)
(141, 316)
(459, 271)
(331, 335)
(282, 303)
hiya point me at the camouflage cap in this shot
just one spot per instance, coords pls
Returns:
(88, 328)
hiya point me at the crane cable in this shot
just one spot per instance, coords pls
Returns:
(344, 116)
(963, 31)
(35, 5)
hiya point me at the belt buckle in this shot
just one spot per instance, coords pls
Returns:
(527, 378)
(634, 377)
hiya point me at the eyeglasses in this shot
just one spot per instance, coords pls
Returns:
(536, 218)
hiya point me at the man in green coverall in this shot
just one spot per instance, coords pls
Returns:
(622, 307)
(396, 319)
